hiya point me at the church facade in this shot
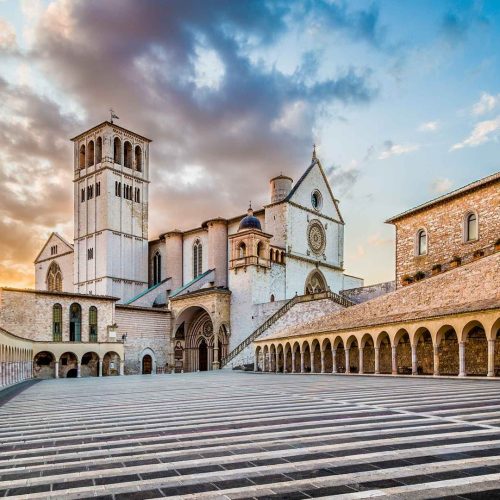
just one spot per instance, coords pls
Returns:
(189, 297)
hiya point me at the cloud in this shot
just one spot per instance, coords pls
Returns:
(428, 127)
(441, 185)
(482, 133)
(189, 75)
(391, 149)
(8, 41)
(486, 104)
(342, 179)
(455, 26)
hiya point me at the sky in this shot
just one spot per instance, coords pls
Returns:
(401, 97)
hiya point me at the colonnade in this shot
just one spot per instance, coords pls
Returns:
(462, 345)
(15, 364)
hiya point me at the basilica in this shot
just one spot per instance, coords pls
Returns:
(182, 301)
(264, 290)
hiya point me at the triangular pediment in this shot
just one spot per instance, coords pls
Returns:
(63, 247)
(314, 179)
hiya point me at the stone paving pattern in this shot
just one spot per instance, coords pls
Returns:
(245, 435)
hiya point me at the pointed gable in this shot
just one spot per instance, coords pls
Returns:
(312, 179)
(55, 239)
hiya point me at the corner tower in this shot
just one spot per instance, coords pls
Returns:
(111, 187)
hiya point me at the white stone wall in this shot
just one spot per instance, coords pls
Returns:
(298, 314)
(147, 330)
(277, 282)
(157, 246)
(352, 282)
(187, 253)
(276, 224)
(65, 263)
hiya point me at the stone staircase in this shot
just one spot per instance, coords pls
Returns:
(298, 299)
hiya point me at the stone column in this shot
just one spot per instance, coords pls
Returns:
(491, 358)
(256, 362)
(99, 374)
(322, 361)
(122, 367)
(301, 361)
(215, 362)
(293, 361)
(394, 360)
(461, 359)
(347, 364)
(311, 355)
(361, 356)
(414, 368)
(57, 369)
(277, 365)
(334, 360)
(377, 360)
(78, 369)
(436, 360)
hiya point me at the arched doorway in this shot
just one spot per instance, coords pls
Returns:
(476, 349)
(201, 347)
(403, 353)
(68, 365)
(44, 365)
(89, 365)
(447, 341)
(111, 364)
(147, 364)
(425, 352)
(203, 355)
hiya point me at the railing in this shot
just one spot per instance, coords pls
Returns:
(280, 313)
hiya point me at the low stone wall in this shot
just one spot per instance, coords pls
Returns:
(365, 293)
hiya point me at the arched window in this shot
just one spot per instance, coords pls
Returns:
(98, 150)
(81, 161)
(138, 158)
(90, 154)
(315, 283)
(272, 297)
(54, 278)
(471, 227)
(57, 323)
(117, 151)
(128, 154)
(242, 250)
(421, 242)
(75, 323)
(93, 324)
(156, 268)
(197, 258)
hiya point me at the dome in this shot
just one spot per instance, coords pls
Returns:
(250, 221)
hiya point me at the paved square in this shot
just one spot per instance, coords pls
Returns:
(243, 435)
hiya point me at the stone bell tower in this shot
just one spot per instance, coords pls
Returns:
(111, 186)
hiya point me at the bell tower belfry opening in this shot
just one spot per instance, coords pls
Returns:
(111, 192)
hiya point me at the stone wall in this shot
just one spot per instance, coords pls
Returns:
(147, 330)
(365, 293)
(300, 313)
(452, 291)
(28, 314)
(444, 223)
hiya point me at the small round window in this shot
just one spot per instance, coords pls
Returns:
(316, 200)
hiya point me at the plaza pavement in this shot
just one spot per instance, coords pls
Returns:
(242, 435)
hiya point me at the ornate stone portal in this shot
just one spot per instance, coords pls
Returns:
(201, 330)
